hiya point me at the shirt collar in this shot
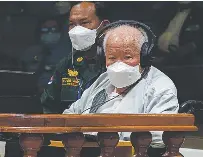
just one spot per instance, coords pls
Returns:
(109, 89)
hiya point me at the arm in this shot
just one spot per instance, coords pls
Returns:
(163, 101)
(50, 98)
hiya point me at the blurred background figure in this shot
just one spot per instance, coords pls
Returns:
(53, 45)
(180, 42)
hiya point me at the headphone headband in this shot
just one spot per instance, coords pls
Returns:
(137, 24)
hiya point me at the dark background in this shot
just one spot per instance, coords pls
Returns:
(19, 22)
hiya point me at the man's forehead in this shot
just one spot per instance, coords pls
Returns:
(125, 48)
(123, 34)
(122, 38)
(112, 43)
(124, 31)
(84, 9)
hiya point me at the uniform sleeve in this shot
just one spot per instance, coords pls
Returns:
(50, 98)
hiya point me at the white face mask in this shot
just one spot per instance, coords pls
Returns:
(82, 37)
(123, 75)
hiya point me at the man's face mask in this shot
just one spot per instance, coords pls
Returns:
(123, 75)
(50, 36)
(82, 38)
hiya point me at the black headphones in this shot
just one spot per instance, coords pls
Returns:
(146, 53)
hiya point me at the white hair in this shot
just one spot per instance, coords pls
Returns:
(142, 39)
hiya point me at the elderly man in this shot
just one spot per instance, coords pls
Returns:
(155, 93)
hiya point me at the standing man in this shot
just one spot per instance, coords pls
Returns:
(79, 70)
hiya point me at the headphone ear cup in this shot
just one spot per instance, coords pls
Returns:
(101, 55)
(99, 42)
(145, 56)
(100, 51)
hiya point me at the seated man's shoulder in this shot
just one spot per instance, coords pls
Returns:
(103, 77)
(102, 80)
(160, 81)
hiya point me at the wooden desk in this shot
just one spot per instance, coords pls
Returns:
(32, 127)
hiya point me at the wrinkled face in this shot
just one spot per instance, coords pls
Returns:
(84, 14)
(122, 49)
